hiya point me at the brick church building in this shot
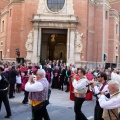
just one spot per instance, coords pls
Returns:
(77, 31)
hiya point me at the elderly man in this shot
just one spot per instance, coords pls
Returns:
(111, 106)
(38, 93)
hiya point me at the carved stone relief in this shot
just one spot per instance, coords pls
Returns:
(78, 43)
(29, 42)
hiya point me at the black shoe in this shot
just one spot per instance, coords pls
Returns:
(8, 116)
(11, 97)
(25, 102)
(67, 91)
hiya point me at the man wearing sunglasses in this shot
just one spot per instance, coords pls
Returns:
(99, 86)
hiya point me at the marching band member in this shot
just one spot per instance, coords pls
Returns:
(80, 91)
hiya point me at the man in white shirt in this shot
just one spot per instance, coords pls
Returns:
(80, 91)
(38, 93)
(102, 86)
(113, 103)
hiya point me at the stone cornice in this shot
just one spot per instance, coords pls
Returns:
(115, 14)
(101, 4)
(114, 0)
(4, 13)
(54, 18)
(15, 1)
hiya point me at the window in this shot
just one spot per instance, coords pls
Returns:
(10, 12)
(117, 29)
(55, 5)
(3, 26)
(1, 43)
(106, 14)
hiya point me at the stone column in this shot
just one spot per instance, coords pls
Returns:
(71, 58)
(39, 44)
(68, 44)
(35, 46)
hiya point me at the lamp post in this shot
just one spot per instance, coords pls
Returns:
(103, 36)
(96, 54)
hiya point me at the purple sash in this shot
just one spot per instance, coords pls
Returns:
(48, 76)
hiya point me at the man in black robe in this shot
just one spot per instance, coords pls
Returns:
(62, 77)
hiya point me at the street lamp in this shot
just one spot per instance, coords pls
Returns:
(103, 36)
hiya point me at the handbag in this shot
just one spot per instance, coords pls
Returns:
(40, 106)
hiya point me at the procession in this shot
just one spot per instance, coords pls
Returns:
(60, 59)
(37, 82)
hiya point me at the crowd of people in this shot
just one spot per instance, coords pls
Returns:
(36, 79)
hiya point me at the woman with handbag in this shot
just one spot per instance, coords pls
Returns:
(38, 95)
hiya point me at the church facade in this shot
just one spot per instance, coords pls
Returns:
(75, 31)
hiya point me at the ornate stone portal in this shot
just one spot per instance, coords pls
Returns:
(65, 19)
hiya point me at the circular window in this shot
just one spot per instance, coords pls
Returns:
(55, 5)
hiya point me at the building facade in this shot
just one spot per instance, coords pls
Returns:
(75, 31)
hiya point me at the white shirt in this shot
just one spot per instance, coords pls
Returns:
(34, 87)
(18, 79)
(40, 66)
(79, 86)
(109, 103)
(97, 89)
(113, 75)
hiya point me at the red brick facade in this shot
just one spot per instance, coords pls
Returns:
(17, 24)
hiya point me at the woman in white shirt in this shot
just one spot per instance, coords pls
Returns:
(19, 82)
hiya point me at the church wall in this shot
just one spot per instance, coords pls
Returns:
(90, 40)
(28, 9)
(116, 5)
(113, 37)
(14, 35)
(18, 27)
(98, 32)
(81, 10)
(3, 31)
(3, 4)
(111, 41)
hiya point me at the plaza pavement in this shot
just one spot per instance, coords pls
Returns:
(60, 107)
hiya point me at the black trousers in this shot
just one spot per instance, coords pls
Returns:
(98, 112)
(77, 108)
(12, 87)
(40, 114)
(4, 99)
(61, 83)
(25, 100)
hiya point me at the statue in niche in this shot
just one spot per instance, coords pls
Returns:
(29, 42)
(78, 43)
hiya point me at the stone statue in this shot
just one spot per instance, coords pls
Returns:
(78, 43)
(29, 42)
(53, 37)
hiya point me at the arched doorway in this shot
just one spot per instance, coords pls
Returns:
(54, 44)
